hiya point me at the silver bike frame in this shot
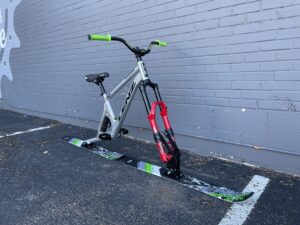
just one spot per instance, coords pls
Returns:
(138, 75)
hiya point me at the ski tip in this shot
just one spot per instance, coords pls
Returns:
(66, 138)
(232, 198)
(243, 197)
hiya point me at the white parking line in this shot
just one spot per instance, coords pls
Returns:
(239, 212)
(27, 131)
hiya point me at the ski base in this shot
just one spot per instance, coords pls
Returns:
(219, 192)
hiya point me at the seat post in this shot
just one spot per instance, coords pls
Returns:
(102, 88)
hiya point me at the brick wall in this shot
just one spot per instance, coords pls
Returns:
(230, 74)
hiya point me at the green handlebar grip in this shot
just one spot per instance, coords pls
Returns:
(161, 43)
(99, 37)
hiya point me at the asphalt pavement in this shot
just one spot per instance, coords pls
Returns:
(44, 180)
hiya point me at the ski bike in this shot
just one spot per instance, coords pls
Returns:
(110, 125)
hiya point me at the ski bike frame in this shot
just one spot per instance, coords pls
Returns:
(110, 124)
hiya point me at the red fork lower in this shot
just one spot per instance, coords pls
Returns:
(166, 148)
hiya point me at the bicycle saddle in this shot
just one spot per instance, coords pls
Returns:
(96, 78)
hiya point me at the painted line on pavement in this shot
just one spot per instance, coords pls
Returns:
(239, 212)
(27, 131)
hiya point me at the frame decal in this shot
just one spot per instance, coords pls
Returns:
(129, 95)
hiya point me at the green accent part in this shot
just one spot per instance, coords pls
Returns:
(100, 37)
(148, 168)
(162, 43)
(76, 142)
(232, 198)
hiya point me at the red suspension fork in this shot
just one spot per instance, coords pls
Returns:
(165, 140)
(164, 150)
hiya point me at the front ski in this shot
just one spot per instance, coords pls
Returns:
(219, 192)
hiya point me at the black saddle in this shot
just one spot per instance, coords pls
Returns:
(96, 78)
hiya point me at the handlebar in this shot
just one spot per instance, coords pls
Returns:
(135, 50)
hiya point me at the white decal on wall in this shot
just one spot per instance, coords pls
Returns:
(8, 37)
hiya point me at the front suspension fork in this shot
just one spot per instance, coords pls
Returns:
(165, 140)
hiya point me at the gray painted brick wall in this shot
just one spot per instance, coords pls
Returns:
(230, 75)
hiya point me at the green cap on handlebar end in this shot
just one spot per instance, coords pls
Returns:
(99, 37)
(161, 43)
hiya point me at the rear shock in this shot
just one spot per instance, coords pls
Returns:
(105, 124)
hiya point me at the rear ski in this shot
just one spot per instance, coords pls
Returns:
(94, 149)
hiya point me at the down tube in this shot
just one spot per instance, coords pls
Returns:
(128, 100)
